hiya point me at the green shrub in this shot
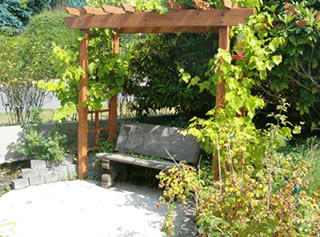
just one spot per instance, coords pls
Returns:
(37, 143)
(307, 150)
(259, 191)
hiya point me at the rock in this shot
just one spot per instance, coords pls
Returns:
(27, 173)
(155, 140)
(35, 164)
(72, 171)
(51, 178)
(68, 161)
(36, 180)
(20, 183)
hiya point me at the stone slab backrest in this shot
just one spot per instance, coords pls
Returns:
(156, 140)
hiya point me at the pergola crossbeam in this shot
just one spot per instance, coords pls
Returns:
(183, 18)
(169, 30)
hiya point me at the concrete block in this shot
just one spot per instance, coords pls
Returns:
(51, 164)
(36, 164)
(36, 180)
(51, 178)
(62, 172)
(43, 171)
(19, 183)
(155, 140)
(68, 161)
(105, 165)
(60, 169)
(72, 171)
(27, 173)
(107, 181)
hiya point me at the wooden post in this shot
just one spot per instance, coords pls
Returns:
(83, 111)
(112, 121)
(224, 43)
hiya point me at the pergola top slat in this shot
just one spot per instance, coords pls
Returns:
(175, 5)
(128, 8)
(112, 9)
(74, 11)
(202, 5)
(183, 18)
(94, 10)
(227, 4)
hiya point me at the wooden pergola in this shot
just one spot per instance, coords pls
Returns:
(126, 19)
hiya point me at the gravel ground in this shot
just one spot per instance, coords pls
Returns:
(82, 208)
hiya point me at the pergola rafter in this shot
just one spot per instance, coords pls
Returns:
(126, 19)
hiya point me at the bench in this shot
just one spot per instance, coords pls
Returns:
(150, 140)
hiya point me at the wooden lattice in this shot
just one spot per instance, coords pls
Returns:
(127, 19)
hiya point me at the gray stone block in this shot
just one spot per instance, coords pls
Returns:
(107, 181)
(72, 171)
(27, 173)
(43, 171)
(20, 183)
(51, 178)
(156, 140)
(62, 172)
(68, 161)
(60, 169)
(51, 164)
(36, 180)
(35, 164)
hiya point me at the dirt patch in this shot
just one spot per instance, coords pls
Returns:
(10, 172)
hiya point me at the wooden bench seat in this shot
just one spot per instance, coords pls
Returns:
(150, 140)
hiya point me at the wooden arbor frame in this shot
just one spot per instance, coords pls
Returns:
(127, 19)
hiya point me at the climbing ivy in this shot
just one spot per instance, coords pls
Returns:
(106, 74)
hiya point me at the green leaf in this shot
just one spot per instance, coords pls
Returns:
(314, 63)
(314, 90)
(194, 81)
(277, 59)
(263, 74)
(186, 77)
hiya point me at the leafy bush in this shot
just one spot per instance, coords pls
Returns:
(307, 150)
(27, 58)
(257, 194)
(157, 71)
(37, 143)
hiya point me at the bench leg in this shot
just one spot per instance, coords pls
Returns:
(113, 170)
(107, 179)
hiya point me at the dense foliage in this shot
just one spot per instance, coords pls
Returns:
(27, 58)
(156, 75)
(35, 142)
(258, 191)
(15, 14)
(298, 23)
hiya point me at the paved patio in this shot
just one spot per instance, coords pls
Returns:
(82, 208)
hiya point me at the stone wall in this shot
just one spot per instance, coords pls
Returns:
(44, 171)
